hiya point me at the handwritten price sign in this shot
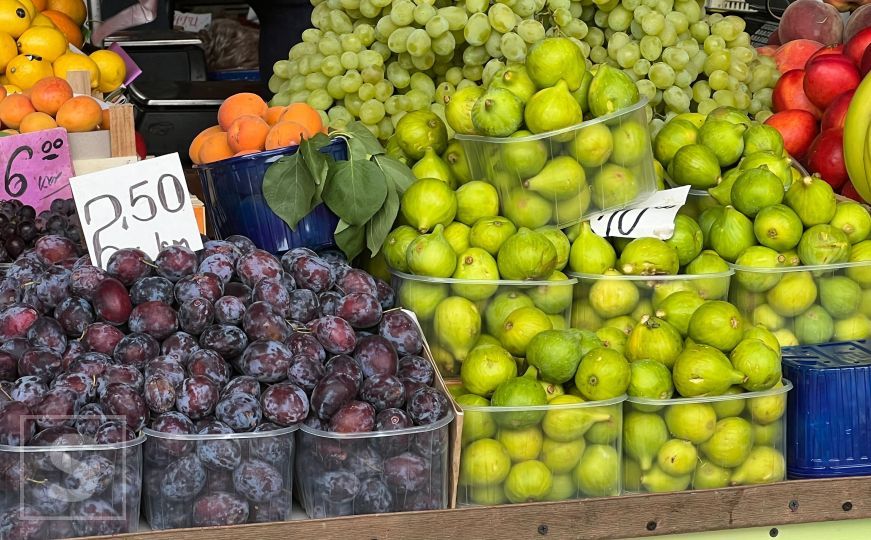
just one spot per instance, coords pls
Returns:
(652, 217)
(143, 205)
(36, 167)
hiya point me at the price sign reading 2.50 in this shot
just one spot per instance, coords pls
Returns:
(144, 205)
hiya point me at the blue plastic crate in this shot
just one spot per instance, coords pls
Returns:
(828, 422)
(233, 191)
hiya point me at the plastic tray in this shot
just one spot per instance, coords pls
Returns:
(182, 491)
(631, 175)
(53, 507)
(801, 315)
(543, 453)
(423, 295)
(829, 413)
(232, 189)
(705, 442)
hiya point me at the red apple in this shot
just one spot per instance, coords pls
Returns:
(837, 111)
(858, 44)
(850, 191)
(798, 129)
(828, 50)
(789, 93)
(794, 54)
(865, 65)
(828, 76)
(826, 157)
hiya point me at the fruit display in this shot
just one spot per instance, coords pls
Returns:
(51, 104)
(705, 443)
(21, 228)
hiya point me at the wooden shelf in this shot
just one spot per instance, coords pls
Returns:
(803, 501)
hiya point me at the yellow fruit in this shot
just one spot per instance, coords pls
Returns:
(14, 17)
(77, 62)
(29, 7)
(49, 43)
(8, 50)
(12, 89)
(74, 9)
(41, 20)
(112, 69)
(26, 70)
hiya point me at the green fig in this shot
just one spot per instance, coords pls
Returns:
(793, 294)
(516, 80)
(432, 166)
(814, 326)
(598, 473)
(687, 239)
(778, 227)
(490, 233)
(428, 202)
(475, 264)
(673, 136)
(852, 328)
(592, 145)
(631, 143)
(553, 59)
(730, 407)
(654, 339)
(701, 370)
(861, 274)
(840, 296)
(431, 255)
(455, 157)
(612, 295)
(602, 374)
(729, 114)
(519, 392)
(677, 457)
(485, 463)
(485, 368)
(497, 113)
(555, 354)
(648, 257)
(560, 242)
(693, 422)
(561, 178)
(527, 255)
(731, 443)
(458, 109)
(582, 92)
(613, 338)
(709, 476)
(562, 457)
(765, 316)
(813, 200)
(658, 481)
(525, 156)
(553, 108)
(476, 200)
(555, 297)
(614, 187)
(759, 362)
(396, 245)
(564, 423)
(590, 253)
(763, 334)
(779, 165)
(526, 208)
(823, 244)
(762, 138)
(731, 233)
(528, 481)
(764, 465)
(520, 326)
(709, 262)
(457, 325)
(502, 305)
(421, 297)
(564, 486)
(762, 258)
(611, 90)
(724, 138)
(722, 192)
(695, 165)
(677, 309)
(476, 424)
(706, 221)
(853, 219)
(418, 130)
(457, 235)
(755, 189)
(570, 211)
(717, 323)
(649, 380)
(643, 436)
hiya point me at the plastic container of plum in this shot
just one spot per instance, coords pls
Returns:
(621, 301)
(447, 306)
(218, 479)
(68, 491)
(233, 192)
(705, 442)
(561, 177)
(806, 305)
(543, 453)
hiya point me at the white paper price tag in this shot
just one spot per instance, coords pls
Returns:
(652, 217)
(143, 205)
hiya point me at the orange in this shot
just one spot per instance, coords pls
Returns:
(26, 70)
(81, 113)
(285, 134)
(42, 20)
(13, 109)
(2, 92)
(77, 62)
(49, 94)
(67, 26)
(248, 132)
(14, 17)
(197, 143)
(49, 43)
(36, 121)
(304, 115)
(239, 105)
(273, 114)
(112, 70)
(74, 9)
(214, 147)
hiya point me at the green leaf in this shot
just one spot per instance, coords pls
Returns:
(350, 239)
(317, 162)
(319, 140)
(355, 190)
(288, 188)
(396, 171)
(361, 142)
(382, 221)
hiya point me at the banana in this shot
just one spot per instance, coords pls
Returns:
(856, 140)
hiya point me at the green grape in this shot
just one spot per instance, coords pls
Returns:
(718, 80)
(601, 19)
(319, 99)
(366, 91)
(398, 39)
(631, 74)
(456, 17)
(766, 61)
(334, 4)
(739, 70)
(491, 68)
(424, 61)
(341, 24)
(281, 99)
(733, 83)
(404, 60)
(675, 99)
(473, 72)
(502, 18)
(595, 37)
(475, 56)
(598, 54)
(334, 87)
(437, 26)
(311, 35)
(382, 49)
(556, 4)
(530, 30)
(646, 88)
(315, 62)
(714, 43)
(513, 47)
(372, 111)
(561, 16)
(606, 5)
(618, 40)
(631, 5)
(349, 60)
(585, 48)
(385, 128)
(477, 6)
(465, 83)
(353, 103)
(384, 28)
(321, 16)
(350, 42)
(742, 100)
(761, 79)
(365, 32)
(441, 66)
(690, 8)
(296, 84)
(668, 36)
(339, 116)
(657, 98)
(280, 68)
(444, 91)
(683, 78)
(477, 30)
(381, 3)
(678, 20)
(743, 40)
(421, 82)
(391, 106)
(402, 12)
(524, 8)
(755, 106)
(701, 91)
(329, 45)
(302, 95)
(700, 31)
(419, 42)
(332, 66)
(576, 29)
(423, 13)
(653, 23)
(651, 48)
(444, 44)
(275, 83)
(368, 9)
(764, 95)
(664, 6)
(576, 9)
(351, 81)
(675, 57)
(715, 17)
(639, 13)
(304, 65)
(368, 57)
(698, 61)
(718, 60)
(418, 100)
(618, 19)
(641, 67)
(743, 54)
(661, 75)
(493, 46)
(372, 74)
(628, 55)
(724, 98)
(691, 46)
(454, 75)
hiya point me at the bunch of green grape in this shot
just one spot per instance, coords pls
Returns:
(375, 60)
(680, 58)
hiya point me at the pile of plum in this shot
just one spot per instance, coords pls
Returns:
(21, 226)
(229, 340)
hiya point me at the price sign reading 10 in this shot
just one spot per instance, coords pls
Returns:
(144, 205)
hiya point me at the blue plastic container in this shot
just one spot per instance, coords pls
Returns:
(233, 191)
(829, 412)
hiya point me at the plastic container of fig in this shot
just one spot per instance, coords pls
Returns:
(446, 306)
(560, 177)
(70, 490)
(807, 305)
(543, 453)
(412, 469)
(621, 301)
(218, 479)
(736, 439)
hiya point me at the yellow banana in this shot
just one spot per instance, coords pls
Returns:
(856, 140)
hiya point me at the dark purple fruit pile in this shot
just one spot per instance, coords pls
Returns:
(21, 227)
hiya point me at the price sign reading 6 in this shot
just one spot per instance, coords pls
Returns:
(15, 184)
(36, 168)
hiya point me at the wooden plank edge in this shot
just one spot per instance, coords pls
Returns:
(792, 502)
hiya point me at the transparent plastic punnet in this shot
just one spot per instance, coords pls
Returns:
(346, 474)
(217, 479)
(561, 177)
(455, 313)
(67, 491)
(621, 301)
(807, 305)
(736, 439)
(541, 453)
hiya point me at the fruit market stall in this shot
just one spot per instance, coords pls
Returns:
(546, 268)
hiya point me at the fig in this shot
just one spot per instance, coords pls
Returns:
(648, 257)
(552, 299)
(455, 157)
(731, 233)
(433, 166)
(581, 95)
(761, 333)
(853, 219)
(485, 368)
(428, 202)
(476, 200)
(759, 362)
(591, 254)
(695, 165)
(528, 481)
(592, 145)
(418, 130)
(458, 109)
(673, 136)
(722, 192)
(677, 458)
(527, 255)
(497, 113)
(709, 262)
(840, 296)
(762, 138)
(561, 178)
(611, 296)
(758, 257)
(526, 208)
(767, 409)
(602, 374)
(631, 143)
(755, 189)
(725, 139)
(612, 338)
(709, 476)
(555, 354)
(490, 233)
(421, 297)
(614, 187)
(431, 255)
(823, 244)
(795, 292)
(520, 326)
(687, 239)
(778, 227)
(516, 80)
(654, 339)
(643, 436)
(776, 163)
(598, 473)
(526, 156)
(701, 370)
(560, 242)
(457, 325)
(662, 289)
(475, 264)
(813, 201)
(677, 309)
(729, 114)
(486, 463)
(457, 235)
(693, 422)
(861, 274)
(501, 306)
(854, 327)
(716, 323)
(610, 90)
(706, 221)
(553, 59)
(553, 108)
(763, 465)
(649, 380)
(731, 443)
(814, 326)
(570, 211)
(396, 245)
